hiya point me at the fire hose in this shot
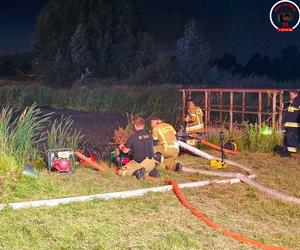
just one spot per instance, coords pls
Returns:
(240, 176)
(215, 226)
(246, 179)
(100, 168)
(209, 144)
(93, 164)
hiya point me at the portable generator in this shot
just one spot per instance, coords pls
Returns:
(61, 160)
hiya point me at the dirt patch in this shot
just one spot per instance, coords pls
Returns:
(97, 127)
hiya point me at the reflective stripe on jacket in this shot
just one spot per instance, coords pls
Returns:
(292, 125)
(195, 128)
(292, 149)
(195, 120)
(164, 134)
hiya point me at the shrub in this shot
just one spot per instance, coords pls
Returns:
(120, 136)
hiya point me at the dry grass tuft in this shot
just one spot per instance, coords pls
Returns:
(120, 135)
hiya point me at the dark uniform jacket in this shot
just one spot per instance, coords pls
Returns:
(292, 115)
(141, 145)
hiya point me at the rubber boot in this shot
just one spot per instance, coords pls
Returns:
(154, 173)
(139, 174)
(178, 167)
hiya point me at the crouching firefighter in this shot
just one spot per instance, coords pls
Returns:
(165, 142)
(140, 144)
(291, 122)
(194, 120)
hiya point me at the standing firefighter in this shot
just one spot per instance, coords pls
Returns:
(165, 142)
(292, 122)
(194, 120)
(140, 144)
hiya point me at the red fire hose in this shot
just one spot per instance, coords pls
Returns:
(93, 164)
(97, 166)
(193, 210)
(207, 143)
(215, 226)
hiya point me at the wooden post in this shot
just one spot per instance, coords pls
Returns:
(259, 109)
(231, 112)
(243, 106)
(220, 106)
(183, 103)
(269, 102)
(281, 107)
(206, 108)
(274, 109)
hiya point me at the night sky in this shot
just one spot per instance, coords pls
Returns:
(240, 27)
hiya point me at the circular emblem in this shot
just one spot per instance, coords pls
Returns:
(285, 16)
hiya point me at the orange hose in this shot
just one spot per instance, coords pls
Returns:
(215, 226)
(207, 143)
(97, 166)
(93, 164)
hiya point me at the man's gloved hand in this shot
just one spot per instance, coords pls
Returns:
(158, 157)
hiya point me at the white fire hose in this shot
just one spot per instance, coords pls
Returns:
(248, 178)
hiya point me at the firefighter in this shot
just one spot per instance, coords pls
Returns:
(140, 144)
(194, 120)
(165, 142)
(292, 122)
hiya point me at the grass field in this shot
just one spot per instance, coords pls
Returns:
(155, 221)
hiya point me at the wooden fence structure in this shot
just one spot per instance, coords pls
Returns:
(225, 103)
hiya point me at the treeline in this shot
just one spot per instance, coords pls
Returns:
(105, 37)
(108, 39)
(283, 68)
(16, 65)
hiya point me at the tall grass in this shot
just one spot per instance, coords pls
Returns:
(238, 135)
(62, 135)
(160, 100)
(247, 137)
(262, 142)
(20, 135)
(7, 163)
(164, 101)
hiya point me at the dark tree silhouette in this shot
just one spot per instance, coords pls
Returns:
(226, 62)
(287, 66)
(193, 53)
(106, 36)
